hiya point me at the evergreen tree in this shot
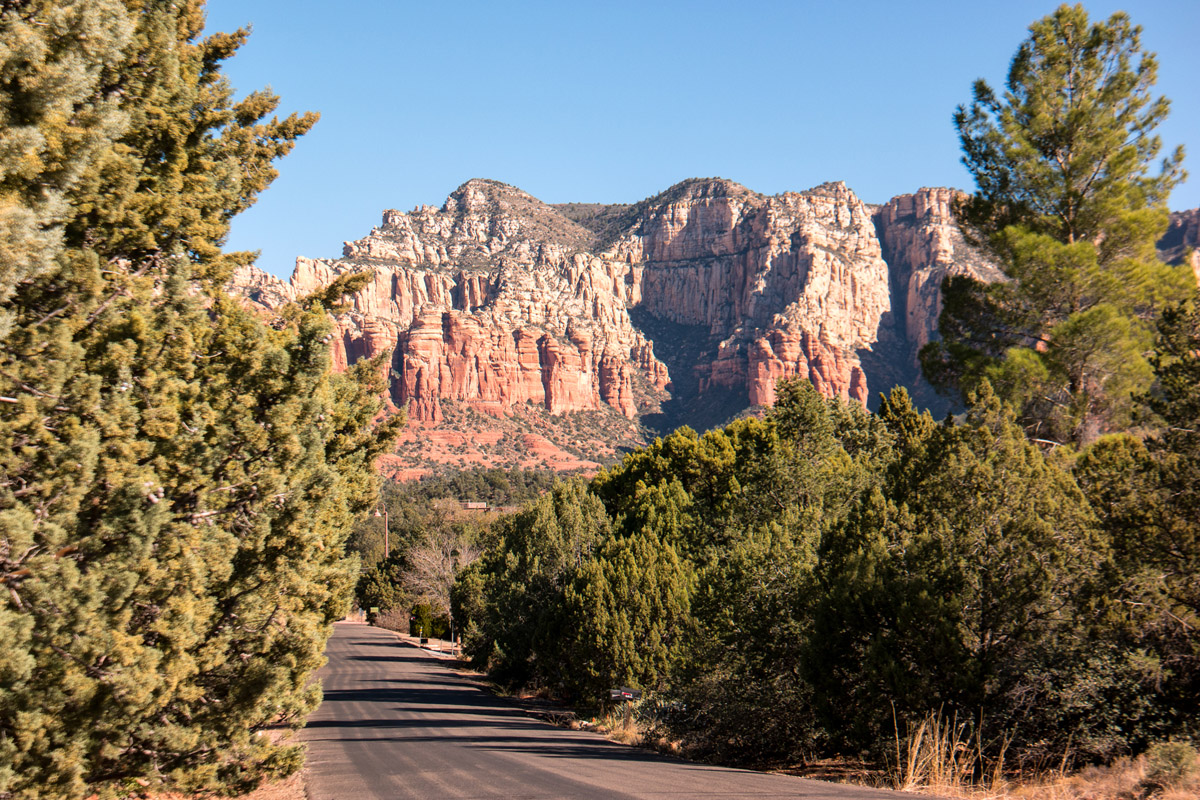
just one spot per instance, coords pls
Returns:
(179, 477)
(517, 625)
(1176, 451)
(1147, 495)
(56, 114)
(1067, 202)
(626, 615)
(955, 585)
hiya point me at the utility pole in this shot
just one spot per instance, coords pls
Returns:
(386, 548)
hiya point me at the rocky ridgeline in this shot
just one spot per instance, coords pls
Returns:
(497, 299)
(1182, 240)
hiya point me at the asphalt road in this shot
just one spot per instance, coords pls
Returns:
(398, 723)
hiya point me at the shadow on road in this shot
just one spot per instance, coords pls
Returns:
(416, 698)
(408, 659)
(562, 745)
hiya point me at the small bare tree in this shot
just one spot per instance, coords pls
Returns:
(434, 561)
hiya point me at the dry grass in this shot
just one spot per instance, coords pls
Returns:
(1124, 779)
(620, 726)
(288, 789)
(945, 756)
(942, 756)
(628, 723)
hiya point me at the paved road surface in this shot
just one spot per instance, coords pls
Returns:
(397, 723)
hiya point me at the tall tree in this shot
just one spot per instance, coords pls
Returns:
(954, 584)
(178, 478)
(521, 581)
(1069, 202)
(626, 613)
(1147, 495)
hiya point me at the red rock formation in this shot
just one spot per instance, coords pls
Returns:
(788, 285)
(923, 245)
(491, 300)
(496, 300)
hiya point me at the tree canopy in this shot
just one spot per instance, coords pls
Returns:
(1070, 199)
(179, 475)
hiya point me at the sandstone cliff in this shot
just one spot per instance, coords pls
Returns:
(573, 327)
(1182, 240)
(922, 245)
(492, 300)
(497, 299)
(781, 286)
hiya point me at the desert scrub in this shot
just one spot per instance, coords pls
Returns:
(1172, 764)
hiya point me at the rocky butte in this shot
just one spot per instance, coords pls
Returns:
(527, 334)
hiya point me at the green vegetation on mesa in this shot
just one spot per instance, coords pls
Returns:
(179, 476)
(1069, 204)
(819, 581)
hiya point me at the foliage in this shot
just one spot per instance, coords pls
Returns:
(55, 115)
(434, 560)
(962, 573)
(496, 487)
(382, 587)
(534, 555)
(410, 505)
(179, 478)
(808, 583)
(430, 543)
(1172, 764)
(626, 612)
(1175, 545)
(1146, 497)
(1067, 204)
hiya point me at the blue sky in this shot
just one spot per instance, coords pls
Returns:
(616, 101)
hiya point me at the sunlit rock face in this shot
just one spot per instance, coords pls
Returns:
(497, 299)
(493, 299)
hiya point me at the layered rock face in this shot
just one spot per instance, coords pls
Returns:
(788, 285)
(1182, 240)
(497, 299)
(491, 300)
(922, 245)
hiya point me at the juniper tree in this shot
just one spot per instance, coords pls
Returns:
(179, 476)
(626, 612)
(1147, 495)
(532, 558)
(958, 583)
(55, 115)
(1069, 203)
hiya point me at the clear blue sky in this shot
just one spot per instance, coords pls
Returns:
(615, 101)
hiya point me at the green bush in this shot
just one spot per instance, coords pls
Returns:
(1172, 764)
(424, 622)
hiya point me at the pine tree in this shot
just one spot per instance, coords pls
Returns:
(1068, 204)
(179, 477)
(1147, 495)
